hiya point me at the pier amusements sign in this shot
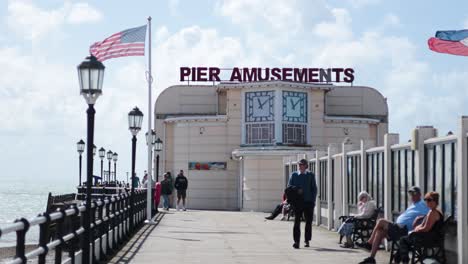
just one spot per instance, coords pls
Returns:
(305, 75)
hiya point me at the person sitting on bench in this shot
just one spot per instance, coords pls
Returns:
(282, 208)
(366, 208)
(428, 230)
(394, 231)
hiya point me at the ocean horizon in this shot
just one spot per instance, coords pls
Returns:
(27, 198)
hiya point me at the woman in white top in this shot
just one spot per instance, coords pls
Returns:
(366, 209)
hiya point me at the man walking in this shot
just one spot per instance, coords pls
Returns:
(181, 184)
(303, 182)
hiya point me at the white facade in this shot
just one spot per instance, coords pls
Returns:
(251, 127)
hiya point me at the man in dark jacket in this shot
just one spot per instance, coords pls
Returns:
(181, 184)
(304, 182)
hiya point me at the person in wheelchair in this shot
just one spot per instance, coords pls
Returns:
(366, 208)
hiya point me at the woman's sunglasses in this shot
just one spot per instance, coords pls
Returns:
(428, 199)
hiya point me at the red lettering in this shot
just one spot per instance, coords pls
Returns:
(250, 74)
(349, 73)
(313, 72)
(214, 74)
(337, 72)
(287, 74)
(275, 74)
(201, 74)
(236, 75)
(184, 72)
(300, 75)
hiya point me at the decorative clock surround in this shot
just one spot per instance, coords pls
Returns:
(259, 106)
(294, 106)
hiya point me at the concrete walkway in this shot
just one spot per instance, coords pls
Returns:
(231, 237)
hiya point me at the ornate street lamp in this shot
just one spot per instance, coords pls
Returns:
(91, 77)
(135, 118)
(109, 158)
(102, 154)
(80, 148)
(150, 139)
(114, 158)
(157, 147)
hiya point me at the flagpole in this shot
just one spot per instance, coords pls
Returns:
(149, 183)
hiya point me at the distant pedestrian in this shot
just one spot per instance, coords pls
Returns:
(303, 184)
(181, 184)
(136, 181)
(171, 197)
(145, 179)
(166, 190)
(157, 195)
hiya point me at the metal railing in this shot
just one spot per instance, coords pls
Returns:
(63, 231)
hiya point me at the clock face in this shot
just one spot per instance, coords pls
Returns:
(259, 106)
(294, 106)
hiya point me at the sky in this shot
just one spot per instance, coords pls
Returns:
(42, 42)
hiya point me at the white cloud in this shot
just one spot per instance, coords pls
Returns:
(33, 22)
(339, 29)
(363, 3)
(465, 23)
(391, 20)
(277, 15)
(83, 13)
(194, 46)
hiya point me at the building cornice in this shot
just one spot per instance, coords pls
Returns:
(197, 118)
(273, 84)
(350, 119)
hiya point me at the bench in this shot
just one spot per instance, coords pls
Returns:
(424, 249)
(363, 227)
(58, 202)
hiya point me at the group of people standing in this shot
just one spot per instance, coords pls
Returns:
(166, 187)
(422, 220)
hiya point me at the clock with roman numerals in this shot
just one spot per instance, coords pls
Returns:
(259, 106)
(294, 106)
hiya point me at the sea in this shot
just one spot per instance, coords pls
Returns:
(26, 198)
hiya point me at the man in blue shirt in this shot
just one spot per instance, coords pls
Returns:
(404, 223)
(306, 186)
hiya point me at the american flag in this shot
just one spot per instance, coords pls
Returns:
(130, 42)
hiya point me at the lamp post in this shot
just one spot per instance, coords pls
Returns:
(109, 158)
(150, 138)
(114, 158)
(102, 154)
(91, 76)
(157, 147)
(80, 147)
(135, 118)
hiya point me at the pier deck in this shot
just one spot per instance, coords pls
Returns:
(231, 237)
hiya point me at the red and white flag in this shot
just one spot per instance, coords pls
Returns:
(130, 42)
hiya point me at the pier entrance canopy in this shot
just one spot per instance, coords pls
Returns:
(231, 138)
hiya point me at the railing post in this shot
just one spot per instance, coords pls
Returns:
(345, 148)
(331, 150)
(419, 134)
(44, 237)
(364, 146)
(462, 190)
(318, 208)
(107, 226)
(58, 249)
(389, 140)
(113, 222)
(21, 240)
(93, 230)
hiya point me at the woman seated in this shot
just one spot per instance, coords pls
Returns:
(282, 208)
(426, 231)
(366, 209)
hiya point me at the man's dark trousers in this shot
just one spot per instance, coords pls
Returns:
(308, 210)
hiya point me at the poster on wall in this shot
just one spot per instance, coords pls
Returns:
(193, 165)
